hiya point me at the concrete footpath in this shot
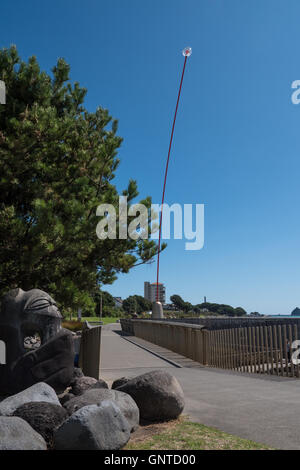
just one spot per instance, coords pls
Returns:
(263, 409)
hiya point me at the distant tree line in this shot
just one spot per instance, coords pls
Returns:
(136, 304)
(205, 307)
(133, 304)
(296, 312)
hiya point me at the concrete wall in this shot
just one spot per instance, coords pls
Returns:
(221, 323)
(89, 356)
(127, 326)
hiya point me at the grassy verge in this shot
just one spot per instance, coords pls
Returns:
(105, 320)
(75, 325)
(72, 325)
(183, 434)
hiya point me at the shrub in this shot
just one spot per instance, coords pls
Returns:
(72, 325)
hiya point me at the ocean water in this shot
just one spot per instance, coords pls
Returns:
(284, 316)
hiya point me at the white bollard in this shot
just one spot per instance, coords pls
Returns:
(157, 310)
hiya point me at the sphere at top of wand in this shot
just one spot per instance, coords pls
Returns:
(187, 51)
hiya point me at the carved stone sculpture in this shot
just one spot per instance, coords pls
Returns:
(31, 313)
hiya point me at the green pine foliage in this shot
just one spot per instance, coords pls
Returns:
(57, 164)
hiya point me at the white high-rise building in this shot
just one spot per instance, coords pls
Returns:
(2, 93)
(151, 289)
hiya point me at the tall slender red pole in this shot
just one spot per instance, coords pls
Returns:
(166, 172)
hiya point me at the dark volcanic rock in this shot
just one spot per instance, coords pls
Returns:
(77, 373)
(43, 417)
(82, 384)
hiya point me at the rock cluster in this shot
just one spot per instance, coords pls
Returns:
(51, 404)
(88, 416)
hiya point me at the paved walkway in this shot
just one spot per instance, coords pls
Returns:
(263, 409)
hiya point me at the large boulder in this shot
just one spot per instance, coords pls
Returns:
(157, 394)
(97, 396)
(43, 417)
(38, 392)
(16, 434)
(81, 384)
(93, 427)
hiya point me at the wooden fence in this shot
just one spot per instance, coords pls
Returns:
(258, 349)
(185, 339)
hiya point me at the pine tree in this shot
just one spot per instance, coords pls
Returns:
(130, 305)
(57, 163)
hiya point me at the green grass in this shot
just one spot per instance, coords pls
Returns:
(186, 435)
(75, 325)
(105, 320)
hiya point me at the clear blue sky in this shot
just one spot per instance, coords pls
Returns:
(237, 139)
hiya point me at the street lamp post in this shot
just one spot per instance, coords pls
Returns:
(157, 310)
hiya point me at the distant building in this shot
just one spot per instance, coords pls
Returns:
(118, 302)
(151, 289)
(2, 92)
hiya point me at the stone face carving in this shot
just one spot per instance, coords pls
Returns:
(24, 314)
